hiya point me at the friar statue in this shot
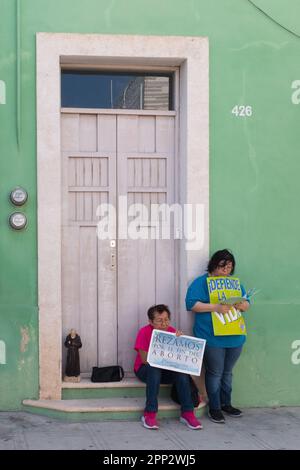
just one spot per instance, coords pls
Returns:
(73, 343)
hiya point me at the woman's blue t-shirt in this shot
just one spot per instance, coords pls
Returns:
(203, 328)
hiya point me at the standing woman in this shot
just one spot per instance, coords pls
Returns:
(221, 352)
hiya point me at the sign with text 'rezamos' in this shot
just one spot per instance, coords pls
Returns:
(178, 353)
(226, 290)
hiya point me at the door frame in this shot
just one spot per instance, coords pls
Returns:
(53, 50)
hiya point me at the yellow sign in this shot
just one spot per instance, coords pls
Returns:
(226, 290)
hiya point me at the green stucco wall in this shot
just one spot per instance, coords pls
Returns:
(254, 169)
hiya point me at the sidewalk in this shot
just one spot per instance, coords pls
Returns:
(259, 428)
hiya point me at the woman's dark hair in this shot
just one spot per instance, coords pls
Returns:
(158, 309)
(219, 257)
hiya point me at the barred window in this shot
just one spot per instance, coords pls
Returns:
(92, 89)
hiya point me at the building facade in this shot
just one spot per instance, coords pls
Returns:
(106, 104)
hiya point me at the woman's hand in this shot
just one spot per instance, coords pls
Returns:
(220, 308)
(179, 333)
(242, 306)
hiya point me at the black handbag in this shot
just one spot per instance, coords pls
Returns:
(107, 374)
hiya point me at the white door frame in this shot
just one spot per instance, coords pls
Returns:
(54, 49)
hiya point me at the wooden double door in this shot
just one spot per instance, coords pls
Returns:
(108, 284)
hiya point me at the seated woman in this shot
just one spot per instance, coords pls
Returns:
(159, 318)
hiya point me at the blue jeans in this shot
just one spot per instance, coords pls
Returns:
(219, 363)
(153, 377)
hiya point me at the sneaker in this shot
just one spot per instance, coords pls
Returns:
(232, 411)
(190, 420)
(216, 416)
(149, 420)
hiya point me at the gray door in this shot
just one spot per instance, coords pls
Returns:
(107, 289)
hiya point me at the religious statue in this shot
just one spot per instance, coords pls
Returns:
(73, 343)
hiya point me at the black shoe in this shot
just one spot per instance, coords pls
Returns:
(231, 411)
(216, 416)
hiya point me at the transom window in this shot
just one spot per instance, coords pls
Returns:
(92, 89)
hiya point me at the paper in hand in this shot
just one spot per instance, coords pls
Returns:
(237, 300)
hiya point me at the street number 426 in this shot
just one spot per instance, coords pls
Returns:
(242, 111)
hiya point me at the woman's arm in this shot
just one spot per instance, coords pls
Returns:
(200, 307)
(143, 355)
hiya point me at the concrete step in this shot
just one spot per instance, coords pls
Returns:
(126, 388)
(104, 409)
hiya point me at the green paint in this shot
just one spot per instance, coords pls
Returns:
(125, 392)
(266, 364)
(18, 60)
(103, 416)
(254, 168)
(19, 376)
(286, 17)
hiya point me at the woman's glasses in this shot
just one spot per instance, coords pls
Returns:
(160, 321)
(225, 265)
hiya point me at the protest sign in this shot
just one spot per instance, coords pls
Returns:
(226, 290)
(178, 353)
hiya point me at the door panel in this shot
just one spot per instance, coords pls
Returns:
(88, 280)
(88, 307)
(146, 268)
(106, 298)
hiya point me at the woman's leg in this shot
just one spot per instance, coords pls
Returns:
(152, 377)
(231, 357)
(214, 366)
(182, 384)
